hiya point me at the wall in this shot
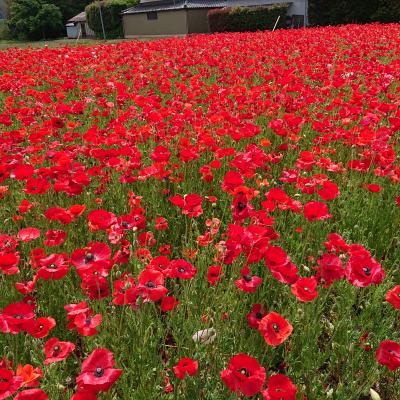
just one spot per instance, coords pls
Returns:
(169, 23)
(197, 21)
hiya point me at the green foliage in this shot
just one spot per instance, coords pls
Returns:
(4, 31)
(70, 8)
(34, 20)
(333, 12)
(245, 19)
(111, 12)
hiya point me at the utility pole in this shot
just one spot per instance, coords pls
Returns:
(101, 19)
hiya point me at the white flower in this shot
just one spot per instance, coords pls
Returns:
(205, 336)
(374, 395)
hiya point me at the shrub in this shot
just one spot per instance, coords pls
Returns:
(34, 20)
(111, 11)
(242, 19)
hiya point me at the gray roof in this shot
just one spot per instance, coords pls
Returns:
(81, 17)
(167, 5)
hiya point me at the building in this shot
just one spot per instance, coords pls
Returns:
(162, 18)
(77, 27)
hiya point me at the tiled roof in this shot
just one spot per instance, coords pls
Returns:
(166, 5)
(81, 17)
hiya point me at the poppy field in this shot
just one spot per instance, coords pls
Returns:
(215, 217)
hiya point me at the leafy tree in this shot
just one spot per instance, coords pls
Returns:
(70, 8)
(333, 12)
(34, 20)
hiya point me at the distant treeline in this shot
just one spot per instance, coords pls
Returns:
(335, 12)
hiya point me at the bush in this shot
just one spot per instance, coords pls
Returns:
(242, 19)
(111, 11)
(34, 20)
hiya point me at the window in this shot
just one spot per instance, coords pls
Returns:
(152, 15)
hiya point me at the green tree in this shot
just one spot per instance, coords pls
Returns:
(34, 20)
(70, 8)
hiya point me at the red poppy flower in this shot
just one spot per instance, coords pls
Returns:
(330, 269)
(100, 219)
(257, 313)
(182, 269)
(55, 350)
(190, 204)
(31, 394)
(248, 283)
(9, 383)
(161, 224)
(54, 266)
(86, 323)
(28, 234)
(232, 179)
(275, 329)
(55, 237)
(316, 211)
(97, 372)
(186, 366)
(41, 327)
(388, 353)
(151, 285)
(280, 387)
(18, 317)
(58, 214)
(363, 270)
(125, 290)
(393, 297)
(168, 303)
(214, 274)
(305, 289)
(329, 191)
(9, 263)
(82, 394)
(244, 375)
(160, 154)
(30, 375)
(373, 188)
(84, 259)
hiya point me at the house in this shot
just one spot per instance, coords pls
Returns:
(77, 27)
(162, 18)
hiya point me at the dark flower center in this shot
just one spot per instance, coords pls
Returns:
(244, 372)
(53, 266)
(367, 271)
(181, 270)
(99, 372)
(125, 224)
(241, 206)
(259, 315)
(56, 350)
(18, 316)
(275, 327)
(150, 285)
(89, 257)
(247, 278)
(88, 321)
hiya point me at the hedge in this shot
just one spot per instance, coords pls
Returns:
(111, 12)
(243, 19)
